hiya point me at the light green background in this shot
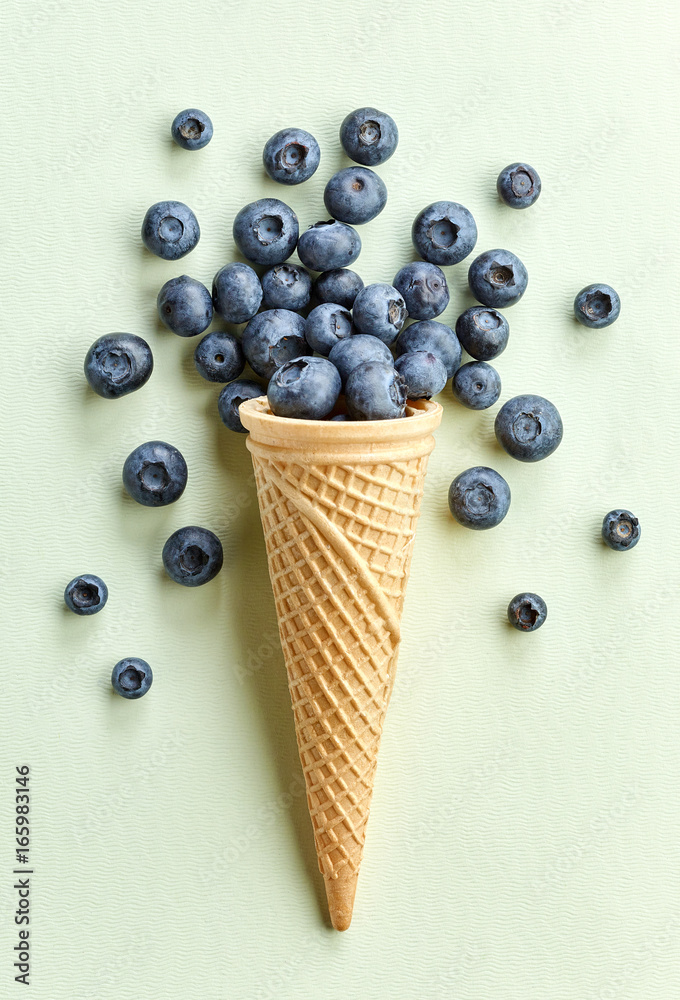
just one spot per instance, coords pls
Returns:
(524, 839)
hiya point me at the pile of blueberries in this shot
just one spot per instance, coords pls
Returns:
(330, 348)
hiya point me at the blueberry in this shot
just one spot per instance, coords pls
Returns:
(527, 612)
(170, 230)
(597, 306)
(219, 357)
(369, 136)
(341, 417)
(192, 129)
(479, 498)
(482, 332)
(117, 364)
(155, 474)
(477, 385)
(326, 326)
(272, 338)
(266, 231)
(434, 337)
(375, 391)
(380, 311)
(444, 233)
(192, 556)
(340, 285)
(291, 156)
(304, 388)
(424, 374)
(286, 286)
(236, 293)
(518, 185)
(131, 677)
(355, 195)
(356, 350)
(185, 306)
(621, 530)
(497, 278)
(423, 288)
(529, 428)
(326, 246)
(86, 594)
(231, 398)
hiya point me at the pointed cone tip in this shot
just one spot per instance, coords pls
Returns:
(340, 893)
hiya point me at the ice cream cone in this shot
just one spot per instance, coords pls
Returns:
(339, 502)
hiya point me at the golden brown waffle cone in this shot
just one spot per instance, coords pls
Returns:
(339, 503)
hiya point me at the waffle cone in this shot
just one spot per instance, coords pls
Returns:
(339, 502)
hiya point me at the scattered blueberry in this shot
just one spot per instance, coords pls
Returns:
(236, 293)
(423, 288)
(170, 230)
(356, 350)
(86, 594)
(131, 677)
(621, 530)
(476, 385)
(436, 338)
(118, 363)
(597, 306)
(266, 231)
(482, 332)
(518, 185)
(529, 428)
(326, 246)
(527, 612)
(155, 474)
(185, 306)
(355, 195)
(272, 338)
(479, 498)
(291, 156)
(192, 556)
(340, 285)
(231, 398)
(497, 278)
(326, 325)
(424, 374)
(375, 391)
(192, 129)
(380, 311)
(444, 233)
(369, 136)
(304, 388)
(219, 357)
(286, 286)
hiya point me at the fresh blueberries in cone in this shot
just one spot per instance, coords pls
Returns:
(305, 388)
(155, 474)
(326, 325)
(482, 332)
(170, 230)
(527, 612)
(286, 286)
(291, 156)
(131, 678)
(266, 231)
(231, 398)
(476, 385)
(379, 311)
(192, 129)
(620, 530)
(185, 306)
(497, 278)
(192, 556)
(424, 374)
(272, 338)
(433, 337)
(236, 293)
(326, 246)
(86, 594)
(117, 364)
(444, 233)
(479, 498)
(528, 427)
(375, 391)
(423, 288)
(356, 350)
(355, 195)
(219, 357)
(369, 136)
(518, 185)
(340, 285)
(597, 306)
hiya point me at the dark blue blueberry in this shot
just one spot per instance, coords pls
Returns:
(529, 428)
(170, 230)
(326, 246)
(192, 556)
(185, 306)
(369, 136)
(476, 385)
(597, 306)
(380, 311)
(479, 498)
(86, 594)
(219, 357)
(266, 231)
(444, 233)
(117, 364)
(424, 289)
(236, 293)
(424, 374)
(231, 398)
(192, 129)
(482, 332)
(340, 285)
(291, 156)
(155, 474)
(341, 417)
(272, 338)
(286, 286)
(518, 185)
(375, 391)
(434, 337)
(497, 278)
(527, 612)
(131, 677)
(305, 388)
(621, 530)
(355, 195)
(356, 350)
(326, 326)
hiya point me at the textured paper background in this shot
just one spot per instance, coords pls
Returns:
(525, 829)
